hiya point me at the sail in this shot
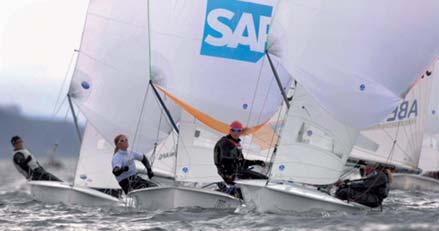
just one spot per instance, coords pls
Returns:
(95, 151)
(215, 51)
(110, 84)
(356, 58)
(399, 138)
(196, 142)
(163, 157)
(314, 146)
(432, 127)
(429, 160)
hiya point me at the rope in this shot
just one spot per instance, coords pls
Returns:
(140, 116)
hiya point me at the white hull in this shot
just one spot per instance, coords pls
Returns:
(412, 182)
(170, 197)
(284, 198)
(61, 192)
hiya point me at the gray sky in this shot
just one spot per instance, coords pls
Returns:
(37, 39)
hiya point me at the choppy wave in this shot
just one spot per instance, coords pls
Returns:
(18, 211)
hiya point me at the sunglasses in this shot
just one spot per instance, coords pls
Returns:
(122, 141)
(17, 142)
(236, 130)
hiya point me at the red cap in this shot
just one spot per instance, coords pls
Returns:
(236, 125)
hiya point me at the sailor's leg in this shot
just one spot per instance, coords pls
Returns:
(368, 199)
(50, 177)
(249, 174)
(342, 193)
(138, 183)
(44, 175)
(125, 185)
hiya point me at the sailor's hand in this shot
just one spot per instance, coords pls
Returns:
(125, 169)
(150, 174)
(338, 183)
(260, 163)
(347, 182)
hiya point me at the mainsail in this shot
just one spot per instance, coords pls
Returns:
(216, 54)
(429, 160)
(356, 58)
(111, 84)
(398, 140)
(216, 51)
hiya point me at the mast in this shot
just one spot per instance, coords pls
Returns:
(75, 119)
(279, 83)
(287, 104)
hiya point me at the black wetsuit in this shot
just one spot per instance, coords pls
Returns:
(35, 173)
(432, 174)
(369, 191)
(230, 161)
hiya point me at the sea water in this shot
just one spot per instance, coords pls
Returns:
(18, 211)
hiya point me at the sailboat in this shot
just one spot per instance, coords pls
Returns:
(348, 84)
(429, 152)
(397, 141)
(214, 85)
(111, 86)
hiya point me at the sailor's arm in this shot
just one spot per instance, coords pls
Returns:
(142, 158)
(248, 163)
(19, 159)
(147, 165)
(117, 167)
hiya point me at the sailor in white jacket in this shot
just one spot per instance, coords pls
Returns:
(124, 168)
(26, 164)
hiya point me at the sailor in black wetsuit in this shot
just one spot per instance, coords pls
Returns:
(26, 164)
(229, 159)
(370, 190)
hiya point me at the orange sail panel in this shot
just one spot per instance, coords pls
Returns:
(206, 119)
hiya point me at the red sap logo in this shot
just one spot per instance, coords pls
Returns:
(405, 110)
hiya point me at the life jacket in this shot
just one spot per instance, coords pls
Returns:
(33, 164)
(382, 188)
(228, 156)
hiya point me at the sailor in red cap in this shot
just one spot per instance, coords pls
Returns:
(229, 159)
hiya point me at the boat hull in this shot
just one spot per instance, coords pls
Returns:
(170, 197)
(412, 182)
(61, 192)
(281, 198)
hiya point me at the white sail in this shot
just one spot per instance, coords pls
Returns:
(163, 157)
(356, 57)
(399, 138)
(110, 85)
(433, 111)
(314, 146)
(195, 151)
(95, 151)
(110, 81)
(215, 49)
(429, 160)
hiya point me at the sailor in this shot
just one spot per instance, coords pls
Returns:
(124, 167)
(26, 163)
(229, 159)
(369, 190)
